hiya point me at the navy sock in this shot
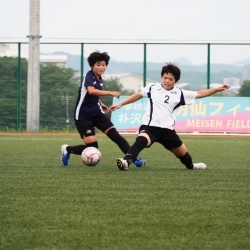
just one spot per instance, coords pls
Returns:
(77, 150)
(187, 160)
(118, 139)
(141, 142)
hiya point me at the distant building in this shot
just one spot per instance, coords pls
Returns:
(232, 81)
(234, 89)
(129, 81)
(214, 85)
(58, 60)
(4, 47)
(246, 73)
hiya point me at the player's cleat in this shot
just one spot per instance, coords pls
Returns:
(122, 164)
(65, 155)
(140, 163)
(200, 165)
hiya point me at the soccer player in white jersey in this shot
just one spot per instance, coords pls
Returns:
(90, 111)
(158, 121)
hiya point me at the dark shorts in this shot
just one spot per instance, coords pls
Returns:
(87, 127)
(166, 137)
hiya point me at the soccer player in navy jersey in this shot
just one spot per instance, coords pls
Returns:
(158, 121)
(90, 111)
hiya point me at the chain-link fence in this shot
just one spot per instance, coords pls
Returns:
(61, 74)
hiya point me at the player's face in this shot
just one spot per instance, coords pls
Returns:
(99, 68)
(168, 81)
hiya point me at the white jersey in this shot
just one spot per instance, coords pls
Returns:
(163, 104)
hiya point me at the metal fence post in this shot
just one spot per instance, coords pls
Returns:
(144, 64)
(82, 61)
(208, 66)
(19, 86)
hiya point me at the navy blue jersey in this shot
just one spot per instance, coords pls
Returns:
(87, 105)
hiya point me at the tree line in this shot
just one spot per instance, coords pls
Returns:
(58, 92)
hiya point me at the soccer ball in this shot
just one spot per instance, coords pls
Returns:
(91, 156)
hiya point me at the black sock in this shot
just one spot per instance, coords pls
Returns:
(141, 142)
(118, 139)
(187, 160)
(77, 150)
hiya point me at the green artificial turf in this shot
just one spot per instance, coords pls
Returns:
(44, 205)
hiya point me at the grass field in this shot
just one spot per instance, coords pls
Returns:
(44, 205)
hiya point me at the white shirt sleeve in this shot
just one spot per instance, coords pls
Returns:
(189, 96)
(145, 90)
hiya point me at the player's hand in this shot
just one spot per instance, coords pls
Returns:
(105, 109)
(114, 107)
(223, 87)
(115, 94)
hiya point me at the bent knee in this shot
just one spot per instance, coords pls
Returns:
(145, 136)
(180, 151)
(107, 130)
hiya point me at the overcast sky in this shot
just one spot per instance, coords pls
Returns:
(135, 21)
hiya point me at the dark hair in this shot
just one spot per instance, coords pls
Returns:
(172, 69)
(97, 57)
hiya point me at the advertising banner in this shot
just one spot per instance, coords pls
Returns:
(210, 114)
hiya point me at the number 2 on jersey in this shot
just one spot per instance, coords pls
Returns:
(167, 98)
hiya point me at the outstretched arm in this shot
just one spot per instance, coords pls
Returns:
(130, 99)
(97, 92)
(208, 92)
